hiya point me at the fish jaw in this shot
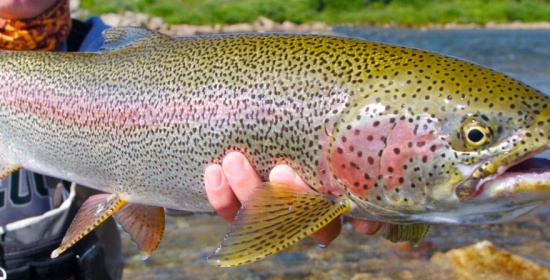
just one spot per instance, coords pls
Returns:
(513, 191)
(516, 189)
(517, 182)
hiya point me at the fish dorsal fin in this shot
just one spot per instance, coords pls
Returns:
(275, 217)
(120, 38)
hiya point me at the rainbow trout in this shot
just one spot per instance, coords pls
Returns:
(381, 132)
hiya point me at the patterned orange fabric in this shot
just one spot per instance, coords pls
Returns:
(46, 32)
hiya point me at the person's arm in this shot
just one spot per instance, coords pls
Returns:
(232, 182)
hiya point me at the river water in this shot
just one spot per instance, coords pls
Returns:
(523, 54)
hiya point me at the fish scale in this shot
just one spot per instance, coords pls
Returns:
(378, 131)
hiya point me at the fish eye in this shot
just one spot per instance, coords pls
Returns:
(476, 132)
(475, 135)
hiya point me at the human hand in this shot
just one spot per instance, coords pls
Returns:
(233, 181)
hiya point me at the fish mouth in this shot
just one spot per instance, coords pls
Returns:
(527, 180)
(512, 192)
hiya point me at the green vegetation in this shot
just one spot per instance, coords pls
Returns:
(402, 12)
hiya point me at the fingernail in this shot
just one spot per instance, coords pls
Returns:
(283, 173)
(213, 177)
(234, 168)
(322, 245)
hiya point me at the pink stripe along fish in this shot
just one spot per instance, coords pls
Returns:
(382, 132)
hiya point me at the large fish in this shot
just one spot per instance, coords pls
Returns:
(382, 132)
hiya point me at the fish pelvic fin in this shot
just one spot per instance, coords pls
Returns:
(95, 210)
(127, 37)
(144, 224)
(399, 233)
(275, 217)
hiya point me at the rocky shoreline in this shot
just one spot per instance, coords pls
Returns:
(490, 25)
(263, 24)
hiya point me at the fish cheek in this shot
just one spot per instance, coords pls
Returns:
(354, 154)
(389, 161)
(413, 162)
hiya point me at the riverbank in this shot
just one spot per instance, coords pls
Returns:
(263, 24)
(187, 17)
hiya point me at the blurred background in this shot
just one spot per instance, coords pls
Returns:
(400, 12)
(276, 15)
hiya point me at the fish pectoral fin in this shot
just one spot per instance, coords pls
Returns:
(95, 210)
(144, 224)
(400, 233)
(274, 217)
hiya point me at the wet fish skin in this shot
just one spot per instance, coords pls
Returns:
(378, 131)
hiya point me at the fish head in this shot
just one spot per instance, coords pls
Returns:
(493, 149)
(446, 145)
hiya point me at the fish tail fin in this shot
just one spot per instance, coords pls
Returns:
(400, 233)
(275, 217)
(145, 224)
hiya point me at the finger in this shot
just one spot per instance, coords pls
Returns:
(366, 227)
(220, 195)
(329, 232)
(285, 174)
(240, 175)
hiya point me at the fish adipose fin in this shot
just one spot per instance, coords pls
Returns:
(120, 38)
(274, 218)
(400, 233)
(98, 208)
